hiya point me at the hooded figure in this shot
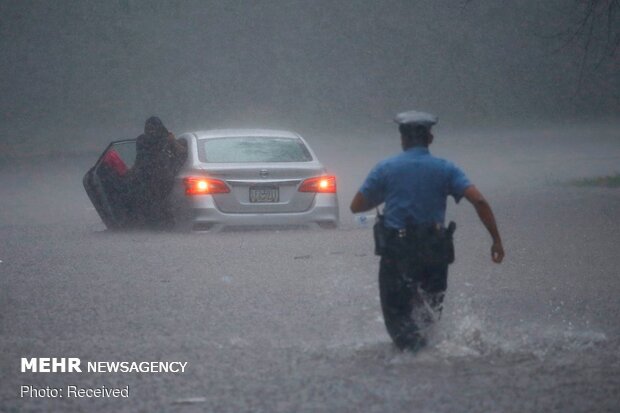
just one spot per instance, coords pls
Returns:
(159, 157)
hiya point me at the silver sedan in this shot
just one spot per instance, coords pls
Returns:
(233, 178)
(250, 178)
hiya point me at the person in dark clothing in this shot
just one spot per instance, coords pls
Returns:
(159, 156)
(417, 247)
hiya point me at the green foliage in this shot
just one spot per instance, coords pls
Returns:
(609, 181)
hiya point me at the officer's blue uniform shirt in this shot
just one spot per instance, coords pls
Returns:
(414, 186)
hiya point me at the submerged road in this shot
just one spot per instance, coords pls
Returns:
(289, 321)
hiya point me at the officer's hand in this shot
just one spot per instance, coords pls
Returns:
(171, 137)
(497, 252)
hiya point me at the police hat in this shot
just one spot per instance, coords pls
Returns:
(413, 117)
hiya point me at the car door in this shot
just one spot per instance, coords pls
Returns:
(107, 183)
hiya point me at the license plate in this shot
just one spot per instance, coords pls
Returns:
(264, 194)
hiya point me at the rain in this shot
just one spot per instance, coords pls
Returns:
(289, 320)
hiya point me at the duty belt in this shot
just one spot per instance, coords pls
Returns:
(417, 229)
(413, 229)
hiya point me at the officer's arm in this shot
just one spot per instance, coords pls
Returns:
(473, 195)
(360, 204)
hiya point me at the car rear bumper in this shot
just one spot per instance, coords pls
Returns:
(201, 214)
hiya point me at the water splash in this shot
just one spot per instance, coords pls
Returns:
(466, 333)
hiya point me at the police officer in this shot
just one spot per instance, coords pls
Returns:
(414, 186)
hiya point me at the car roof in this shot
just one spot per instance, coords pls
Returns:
(232, 133)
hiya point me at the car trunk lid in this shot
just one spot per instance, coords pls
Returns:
(264, 188)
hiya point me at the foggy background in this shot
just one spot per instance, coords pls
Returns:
(77, 74)
(284, 321)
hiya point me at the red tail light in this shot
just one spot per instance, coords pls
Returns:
(204, 186)
(322, 184)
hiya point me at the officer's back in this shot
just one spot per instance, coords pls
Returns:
(414, 185)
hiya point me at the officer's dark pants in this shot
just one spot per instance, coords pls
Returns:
(405, 286)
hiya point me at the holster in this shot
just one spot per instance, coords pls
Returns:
(380, 235)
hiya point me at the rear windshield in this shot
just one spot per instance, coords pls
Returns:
(253, 149)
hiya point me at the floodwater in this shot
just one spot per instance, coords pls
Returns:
(289, 321)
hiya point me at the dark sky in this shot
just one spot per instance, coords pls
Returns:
(84, 72)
